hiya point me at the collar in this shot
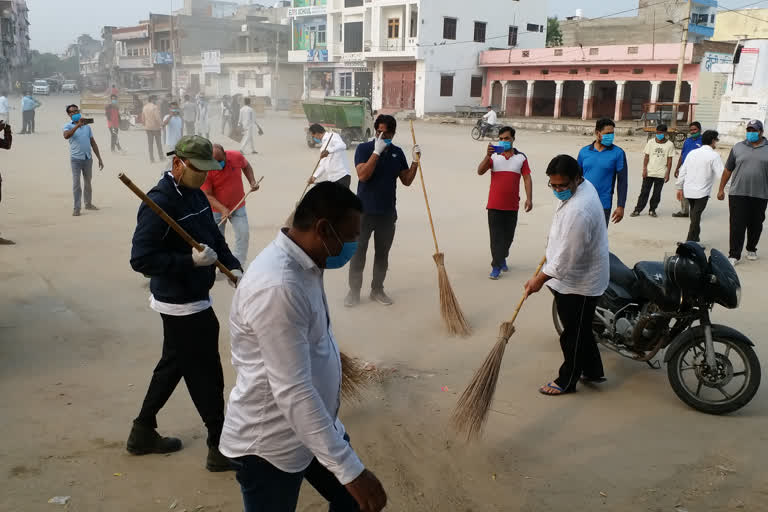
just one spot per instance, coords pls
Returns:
(169, 175)
(763, 142)
(295, 252)
(607, 148)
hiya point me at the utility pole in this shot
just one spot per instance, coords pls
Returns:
(173, 51)
(681, 64)
(276, 81)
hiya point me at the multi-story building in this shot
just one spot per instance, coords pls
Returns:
(14, 34)
(408, 55)
(132, 64)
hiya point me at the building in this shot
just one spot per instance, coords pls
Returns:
(132, 61)
(407, 55)
(14, 34)
(655, 22)
(746, 95)
(741, 24)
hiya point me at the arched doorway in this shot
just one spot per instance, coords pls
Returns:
(496, 95)
(543, 98)
(573, 98)
(516, 92)
(604, 99)
(635, 95)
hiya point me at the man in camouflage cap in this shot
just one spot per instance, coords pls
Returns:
(180, 281)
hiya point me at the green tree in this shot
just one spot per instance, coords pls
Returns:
(554, 35)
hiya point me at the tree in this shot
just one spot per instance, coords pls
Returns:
(554, 35)
(47, 64)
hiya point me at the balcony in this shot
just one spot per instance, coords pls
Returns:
(230, 58)
(392, 48)
(126, 62)
(316, 55)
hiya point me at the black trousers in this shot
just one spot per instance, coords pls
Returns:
(28, 121)
(114, 141)
(696, 208)
(382, 227)
(747, 215)
(657, 184)
(191, 352)
(154, 135)
(580, 352)
(345, 181)
(501, 227)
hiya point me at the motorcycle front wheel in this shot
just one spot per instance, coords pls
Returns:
(721, 390)
(476, 133)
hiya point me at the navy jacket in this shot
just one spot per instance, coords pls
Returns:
(165, 257)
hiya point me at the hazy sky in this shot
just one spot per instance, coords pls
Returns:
(56, 23)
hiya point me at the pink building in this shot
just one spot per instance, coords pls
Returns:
(588, 82)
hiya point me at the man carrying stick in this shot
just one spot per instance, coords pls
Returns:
(576, 270)
(333, 164)
(180, 282)
(282, 422)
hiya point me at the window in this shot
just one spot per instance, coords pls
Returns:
(637, 71)
(341, 33)
(414, 23)
(672, 71)
(532, 27)
(353, 37)
(352, 3)
(594, 51)
(558, 52)
(544, 71)
(393, 28)
(632, 50)
(480, 32)
(573, 71)
(258, 81)
(476, 87)
(526, 53)
(320, 37)
(512, 39)
(345, 83)
(241, 79)
(541, 28)
(604, 71)
(208, 79)
(446, 85)
(515, 71)
(712, 19)
(449, 28)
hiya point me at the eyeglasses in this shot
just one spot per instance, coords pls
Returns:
(559, 187)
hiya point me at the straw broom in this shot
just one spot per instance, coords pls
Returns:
(471, 411)
(450, 309)
(289, 220)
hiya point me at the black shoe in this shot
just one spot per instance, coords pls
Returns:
(5, 241)
(381, 297)
(76, 212)
(652, 213)
(352, 299)
(680, 215)
(144, 440)
(91, 207)
(634, 214)
(216, 462)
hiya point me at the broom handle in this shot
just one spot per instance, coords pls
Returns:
(172, 223)
(316, 165)
(424, 189)
(525, 296)
(223, 220)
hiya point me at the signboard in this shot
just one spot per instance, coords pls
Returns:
(163, 58)
(713, 62)
(317, 55)
(745, 70)
(711, 88)
(315, 10)
(211, 61)
(181, 80)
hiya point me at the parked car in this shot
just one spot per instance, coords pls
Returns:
(69, 86)
(41, 87)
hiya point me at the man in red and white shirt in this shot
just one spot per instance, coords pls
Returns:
(507, 166)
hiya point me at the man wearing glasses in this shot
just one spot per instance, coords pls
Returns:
(81, 142)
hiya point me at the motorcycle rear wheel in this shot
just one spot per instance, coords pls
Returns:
(687, 364)
(476, 133)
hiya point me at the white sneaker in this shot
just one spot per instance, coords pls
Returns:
(752, 255)
(733, 261)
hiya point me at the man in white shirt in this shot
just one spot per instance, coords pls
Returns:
(333, 164)
(490, 119)
(702, 168)
(4, 107)
(203, 118)
(174, 126)
(247, 124)
(576, 271)
(282, 422)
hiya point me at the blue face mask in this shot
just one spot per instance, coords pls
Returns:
(388, 141)
(563, 195)
(348, 249)
(76, 117)
(659, 136)
(222, 163)
(317, 141)
(753, 136)
(506, 144)
(607, 139)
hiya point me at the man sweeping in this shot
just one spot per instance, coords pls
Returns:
(576, 270)
(282, 424)
(333, 165)
(180, 282)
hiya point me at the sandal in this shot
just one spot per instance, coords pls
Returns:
(552, 389)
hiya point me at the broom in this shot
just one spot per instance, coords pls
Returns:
(449, 305)
(471, 411)
(224, 219)
(289, 220)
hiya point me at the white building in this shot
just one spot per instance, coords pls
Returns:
(408, 55)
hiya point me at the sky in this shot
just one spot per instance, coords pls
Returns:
(56, 23)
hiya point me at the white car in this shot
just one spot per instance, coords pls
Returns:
(69, 86)
(41, 87)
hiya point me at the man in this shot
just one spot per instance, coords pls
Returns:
(657, 165)
(282, 423)
(153, 124)
(379, 165)
(605, 164)
(180, 280)
(174, 126)
(4, 107)
(576, 271)
(112, 113)
(28, 107)
(226, 115)
(748, 163)
(81, 142)
(189, 110)
(489, 119)
(693, 141)
(333, 157)
(247, 119)
(203, 120)
(5, 143)
(224, 189)
(506, 169)
(698, 174)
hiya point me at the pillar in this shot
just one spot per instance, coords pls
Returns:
(529, 98)
(490, 92)
(617, 113)
(655, 86)
(558, 98)
(503, 106)
(692, 99)
(586, 110)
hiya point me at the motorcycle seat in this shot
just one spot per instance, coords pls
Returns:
(621, 274)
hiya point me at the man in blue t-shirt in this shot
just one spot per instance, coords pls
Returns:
(81, 142)
(692, 142)
(605, 164)
(379, 165)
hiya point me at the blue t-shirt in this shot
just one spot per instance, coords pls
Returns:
(378, 193)
(80, 142)
(602, 169)
(689, 145)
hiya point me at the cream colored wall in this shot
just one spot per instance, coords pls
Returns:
(731, 26)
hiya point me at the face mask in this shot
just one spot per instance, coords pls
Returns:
(192, 179)
(563, 195)
(694, 135)
(114, 102)
(348, 249)
(317, 141)
(607, 139)
(76, 117)
(659, 136)
(506, 144)
(387, 141)
(222, 163)
(753, 136)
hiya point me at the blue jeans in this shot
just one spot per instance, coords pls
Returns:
(86, 168)
(239, 221)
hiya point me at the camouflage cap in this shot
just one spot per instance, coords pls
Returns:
(199, 151)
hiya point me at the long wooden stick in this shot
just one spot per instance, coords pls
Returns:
(525, 296)
(424, 189)
(316, 166)
(224, 219)
(172, 223)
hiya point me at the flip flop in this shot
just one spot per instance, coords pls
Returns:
(554, 387)
(591, 380)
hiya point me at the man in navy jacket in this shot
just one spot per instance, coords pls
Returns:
(180, 281)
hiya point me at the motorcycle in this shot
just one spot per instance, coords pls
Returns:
(712, 368)
(483, 129)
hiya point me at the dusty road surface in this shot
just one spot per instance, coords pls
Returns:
(78, 343)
